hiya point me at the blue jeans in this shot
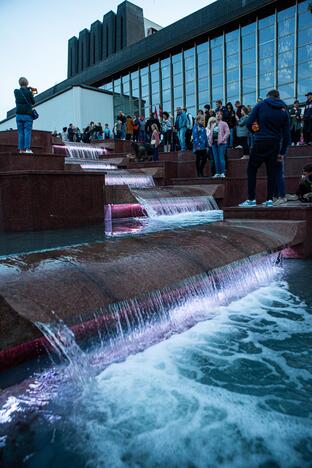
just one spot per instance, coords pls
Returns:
(123, 131)
(218, 152)
(24, 126)
(181, 135)
(155, 153)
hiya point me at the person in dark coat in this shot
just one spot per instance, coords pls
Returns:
(24, 100)
(307, 120)
(269, 120)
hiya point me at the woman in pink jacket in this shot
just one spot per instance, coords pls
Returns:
(218, 141)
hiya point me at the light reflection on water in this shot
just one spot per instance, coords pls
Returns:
(231, 391)
(12, 244)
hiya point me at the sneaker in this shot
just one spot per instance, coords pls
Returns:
(280, 201)
(238, 147)
(28, 151)
(290, 197)
(222, 176)
(298, 144)
(216, 176)
(293, 144)
(245, 156)
(248, 203)
(267, 203)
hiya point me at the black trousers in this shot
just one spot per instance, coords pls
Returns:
(295, 135)
(201, 159)
(307, 130)
(263, 151)
(188, 137)
(243, 141)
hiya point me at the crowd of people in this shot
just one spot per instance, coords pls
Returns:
(263, 132)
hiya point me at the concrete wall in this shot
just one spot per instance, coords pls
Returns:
(77, 105)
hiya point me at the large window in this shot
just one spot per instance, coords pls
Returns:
(177, 77)
(145, 93)
(266, 54)
(189, 69)
(304, 50)
(232, 48)
(286, 53)
(203, 74)
(165, 67)
(154, 70)
(249, 68)
(217, 71)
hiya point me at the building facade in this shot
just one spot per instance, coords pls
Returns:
(270, 50)
(230, 50)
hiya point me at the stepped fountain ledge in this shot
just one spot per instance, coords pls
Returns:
(75, 283)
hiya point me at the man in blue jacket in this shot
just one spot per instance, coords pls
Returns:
(307, 120)
(269, 121)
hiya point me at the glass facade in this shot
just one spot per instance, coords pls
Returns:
(274, 51)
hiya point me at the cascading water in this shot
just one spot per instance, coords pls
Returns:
(132, 179)
(129, 326)
(83, 150)
(177, 205)
(236, 387)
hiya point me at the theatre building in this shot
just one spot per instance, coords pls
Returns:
(230, 49)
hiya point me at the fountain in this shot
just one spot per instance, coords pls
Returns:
(83, 150)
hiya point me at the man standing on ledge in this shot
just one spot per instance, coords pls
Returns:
(269, 121)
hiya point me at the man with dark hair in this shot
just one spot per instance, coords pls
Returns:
(269, 122)
(307, 120)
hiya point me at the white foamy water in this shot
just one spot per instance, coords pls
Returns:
(233, 391)
(229, 392)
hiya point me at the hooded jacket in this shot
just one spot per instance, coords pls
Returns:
(273, 119)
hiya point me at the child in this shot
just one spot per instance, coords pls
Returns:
(155, 140)
(107, 133)
(304, 191)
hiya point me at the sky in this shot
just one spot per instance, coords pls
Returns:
(34, 35)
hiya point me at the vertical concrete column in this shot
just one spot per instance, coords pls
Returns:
(72, 57)
(108, 35)
(129, 25)
(84, 50)
(95, 42)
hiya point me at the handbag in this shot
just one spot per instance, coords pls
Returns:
(34, 113)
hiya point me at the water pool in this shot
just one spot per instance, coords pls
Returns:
(233, 391)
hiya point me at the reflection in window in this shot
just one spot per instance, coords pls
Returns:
(285, 75)
(305, 53)
(286, 59)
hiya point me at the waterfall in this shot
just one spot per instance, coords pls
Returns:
(83, 150)
(132, 179)
(177, 205)
(129, 326)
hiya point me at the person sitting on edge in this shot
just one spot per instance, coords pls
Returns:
(269, 121)
(24, 100)
(200, 144)
(304, 191)
(107, 132)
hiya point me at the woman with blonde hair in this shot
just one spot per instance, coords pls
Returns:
(155, 141)
(218, 137)
(24, 100)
